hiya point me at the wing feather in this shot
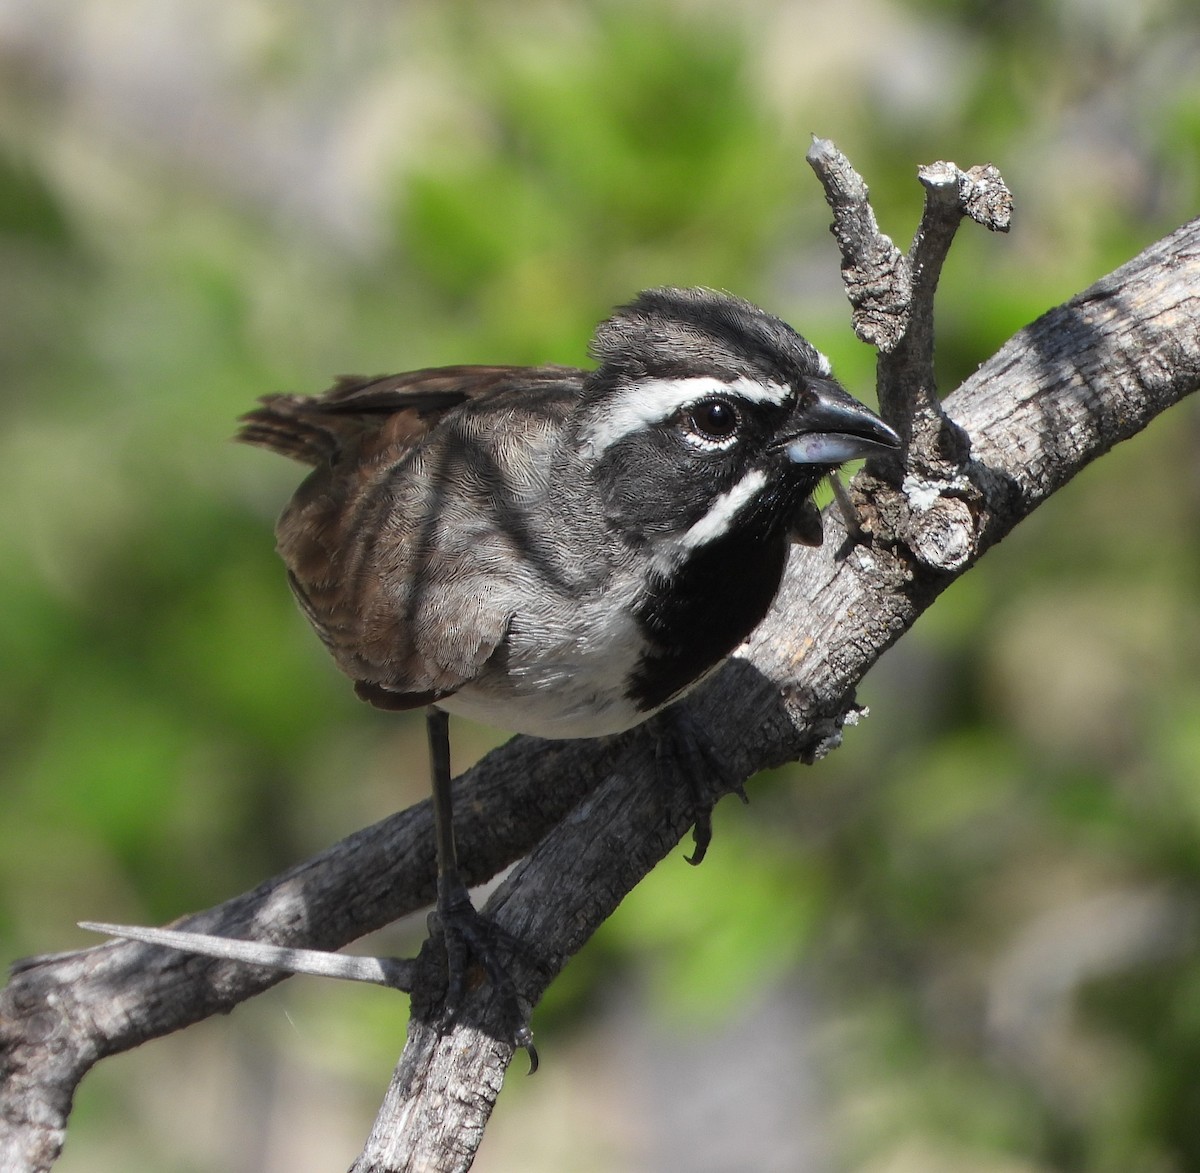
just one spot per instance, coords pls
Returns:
(362, 413)
(356, 535)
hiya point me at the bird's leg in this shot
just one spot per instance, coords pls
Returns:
(466, 934)
(451, 891)
(680, 740)
(458, 921)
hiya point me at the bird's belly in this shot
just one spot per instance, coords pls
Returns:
(556, 713)
(560, 680)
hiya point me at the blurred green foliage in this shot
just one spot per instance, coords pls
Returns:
(990, 894)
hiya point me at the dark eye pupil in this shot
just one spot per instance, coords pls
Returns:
(716, 418)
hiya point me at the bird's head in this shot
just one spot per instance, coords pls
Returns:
(707, 413)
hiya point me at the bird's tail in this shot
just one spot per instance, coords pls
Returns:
(295, 426)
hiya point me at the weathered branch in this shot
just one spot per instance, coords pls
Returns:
(1064, 390)
(892, 294)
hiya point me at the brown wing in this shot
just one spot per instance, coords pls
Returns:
(380, 411)
(350, 535)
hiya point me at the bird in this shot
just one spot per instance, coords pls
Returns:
(558, 551)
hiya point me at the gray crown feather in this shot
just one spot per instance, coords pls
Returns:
(679, 332)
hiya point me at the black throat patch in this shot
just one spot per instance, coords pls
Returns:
(695, 617)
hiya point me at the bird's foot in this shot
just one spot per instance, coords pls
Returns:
(681, 743)
(473, 946)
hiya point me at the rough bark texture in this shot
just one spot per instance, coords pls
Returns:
(591, 820)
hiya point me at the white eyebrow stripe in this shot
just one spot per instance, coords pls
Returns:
(639, 404)
(717, 521)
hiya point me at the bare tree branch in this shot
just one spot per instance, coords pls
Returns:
(594, 818)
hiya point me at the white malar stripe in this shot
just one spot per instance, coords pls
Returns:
(724, 509)
(642, 404)
(717, 521)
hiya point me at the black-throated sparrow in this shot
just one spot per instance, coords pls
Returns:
(556, 551)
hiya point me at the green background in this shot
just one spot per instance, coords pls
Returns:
(966, 941)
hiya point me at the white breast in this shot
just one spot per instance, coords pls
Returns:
(561, 673)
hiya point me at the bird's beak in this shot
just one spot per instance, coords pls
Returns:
(837, 428)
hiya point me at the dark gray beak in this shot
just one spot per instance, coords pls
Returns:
(837, 428)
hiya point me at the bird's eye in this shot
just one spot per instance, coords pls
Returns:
(714, 421)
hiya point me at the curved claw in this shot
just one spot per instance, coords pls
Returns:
(524, 1038)
(701, 836)
(689, 751)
